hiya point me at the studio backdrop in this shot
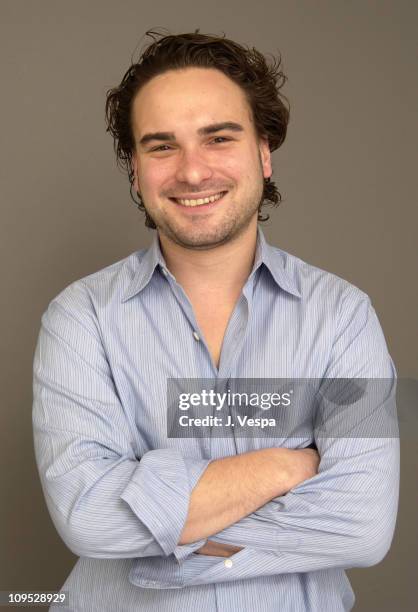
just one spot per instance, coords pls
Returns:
(346, 172)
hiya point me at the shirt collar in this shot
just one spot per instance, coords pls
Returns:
(273, 258)
(146, 262)
(276, 261)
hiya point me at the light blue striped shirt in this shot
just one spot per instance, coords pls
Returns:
(117, 488)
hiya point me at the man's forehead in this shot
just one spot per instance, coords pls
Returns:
(191, 91)
(191, 76)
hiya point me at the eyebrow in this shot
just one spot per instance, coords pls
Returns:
(203, 131)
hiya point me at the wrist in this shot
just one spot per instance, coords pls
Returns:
(293, 466)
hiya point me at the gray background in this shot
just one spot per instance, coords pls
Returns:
(347, 172)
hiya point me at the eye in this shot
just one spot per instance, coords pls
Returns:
(165, 147)
(160, 148)
(222, 138)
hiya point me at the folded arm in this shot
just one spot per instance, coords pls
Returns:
(104, 499)
(233, 487)
(345, 515)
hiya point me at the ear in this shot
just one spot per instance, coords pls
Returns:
(265, 156)
(134, 168)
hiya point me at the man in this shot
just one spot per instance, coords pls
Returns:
(220, 522)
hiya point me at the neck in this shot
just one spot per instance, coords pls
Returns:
(223, 269)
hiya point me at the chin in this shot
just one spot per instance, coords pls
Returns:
(204, 241)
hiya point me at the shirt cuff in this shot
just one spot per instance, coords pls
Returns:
(159, 494)
(195, 469)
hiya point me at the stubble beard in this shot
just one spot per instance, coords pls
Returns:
(229, 227)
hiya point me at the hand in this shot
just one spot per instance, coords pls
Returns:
(214, 549)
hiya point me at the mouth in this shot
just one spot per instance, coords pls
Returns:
(200, 203)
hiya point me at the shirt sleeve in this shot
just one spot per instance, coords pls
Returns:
(344, 516)
(105, 501)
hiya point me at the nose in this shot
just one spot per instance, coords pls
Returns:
(192, 168)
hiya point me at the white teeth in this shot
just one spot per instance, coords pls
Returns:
(200, 201)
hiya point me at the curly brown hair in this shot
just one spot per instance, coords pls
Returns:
(248, 68)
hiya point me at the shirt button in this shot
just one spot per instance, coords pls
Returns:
(164, 271)
(228, 563)
(196, 336)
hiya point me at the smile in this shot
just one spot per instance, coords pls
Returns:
(200, 201)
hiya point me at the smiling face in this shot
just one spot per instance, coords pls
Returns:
(194, 138)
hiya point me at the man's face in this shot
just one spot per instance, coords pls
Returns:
(189, 158)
